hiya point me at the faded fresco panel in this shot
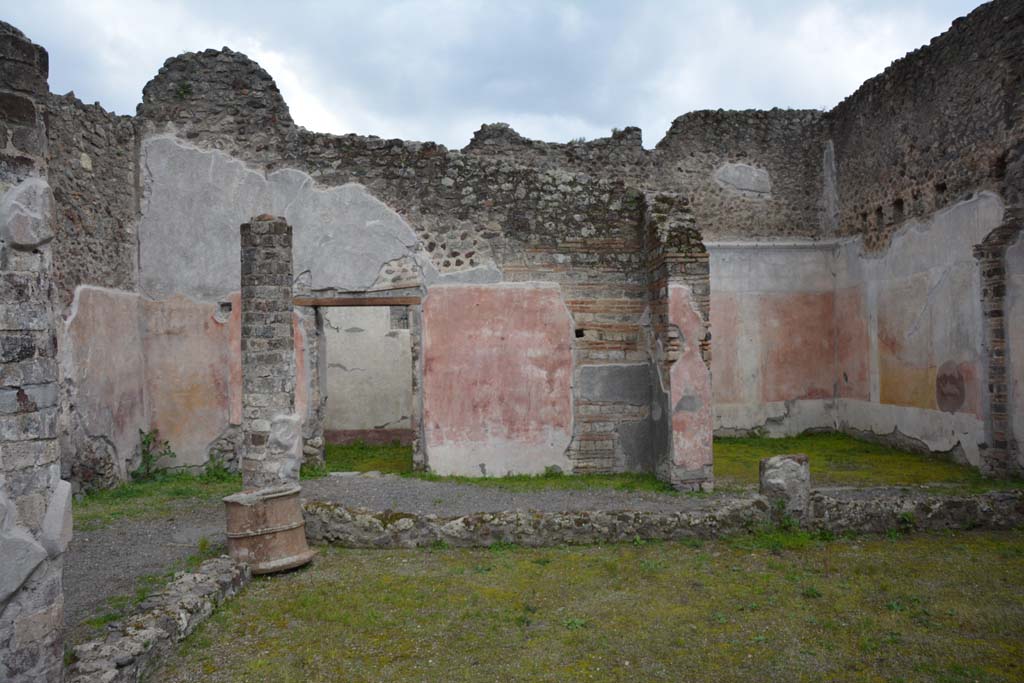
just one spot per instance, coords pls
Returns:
(725, 360)
(797, 353)
(497, 379)
(852, 345)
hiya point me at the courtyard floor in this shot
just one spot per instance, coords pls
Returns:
(130, 540)
(764, 607)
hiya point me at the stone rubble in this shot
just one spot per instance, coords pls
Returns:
(834, 511)
(133, 645)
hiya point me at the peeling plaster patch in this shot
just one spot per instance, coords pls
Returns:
(744, 179)
(194, 201)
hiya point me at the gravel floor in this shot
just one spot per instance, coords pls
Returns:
(108, 562)
(402, 494)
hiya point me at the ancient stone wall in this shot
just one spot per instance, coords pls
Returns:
(35, 505)
(1013, 316)
(462, 219)
(748, 174)
(92, 158)
(945, 121)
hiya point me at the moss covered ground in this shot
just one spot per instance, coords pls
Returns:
(762, 607)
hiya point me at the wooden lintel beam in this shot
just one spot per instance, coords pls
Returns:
(357, 301)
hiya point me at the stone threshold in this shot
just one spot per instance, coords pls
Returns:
(839, 511)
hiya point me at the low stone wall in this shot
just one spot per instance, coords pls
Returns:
(859, 511)
(133, 646)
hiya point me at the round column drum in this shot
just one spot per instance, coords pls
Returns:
(265, 529)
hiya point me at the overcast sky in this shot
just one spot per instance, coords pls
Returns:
(437, 69)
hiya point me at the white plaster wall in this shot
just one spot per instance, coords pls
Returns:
(369, 370)
(923, 302)
(744, 276)
(1015, 339)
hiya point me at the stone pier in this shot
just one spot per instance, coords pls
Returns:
(35, 504)
(272, 432)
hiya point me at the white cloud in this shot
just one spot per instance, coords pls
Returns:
(437, 69)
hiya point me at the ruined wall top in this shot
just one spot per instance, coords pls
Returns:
(215, 90)
(945, 120)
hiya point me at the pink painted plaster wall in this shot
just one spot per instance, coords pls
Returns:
(497, 379)
(797, 351)
(102, 355)
(853, 371)
(690, 391)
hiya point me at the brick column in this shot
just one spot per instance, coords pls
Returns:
(271, 432)
(999, 459)
(35, 505)
(679, 296)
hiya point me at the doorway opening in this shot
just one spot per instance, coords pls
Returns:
(369, 375)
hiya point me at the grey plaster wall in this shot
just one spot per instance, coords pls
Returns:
(194, 200)
(369, 370)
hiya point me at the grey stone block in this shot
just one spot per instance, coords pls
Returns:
(57, 525)
(786, 481)
(21, 555)
(615, 384)
(26, 212)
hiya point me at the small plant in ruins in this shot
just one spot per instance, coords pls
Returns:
(151, 451)
(215, 469)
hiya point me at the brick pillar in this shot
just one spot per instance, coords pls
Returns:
(999, 459)
(271, 432)
(679, 295)
(35, 505)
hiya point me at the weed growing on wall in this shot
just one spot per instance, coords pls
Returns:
(151, 451)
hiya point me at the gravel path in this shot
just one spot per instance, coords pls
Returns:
(445, 499)
(108, 562)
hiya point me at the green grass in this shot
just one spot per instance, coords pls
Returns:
(928, 607)
(836, 460)
(359, 457)
(158, 497)
(840, 460)
(397, 459)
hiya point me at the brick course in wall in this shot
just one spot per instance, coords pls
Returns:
(1000, 458)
